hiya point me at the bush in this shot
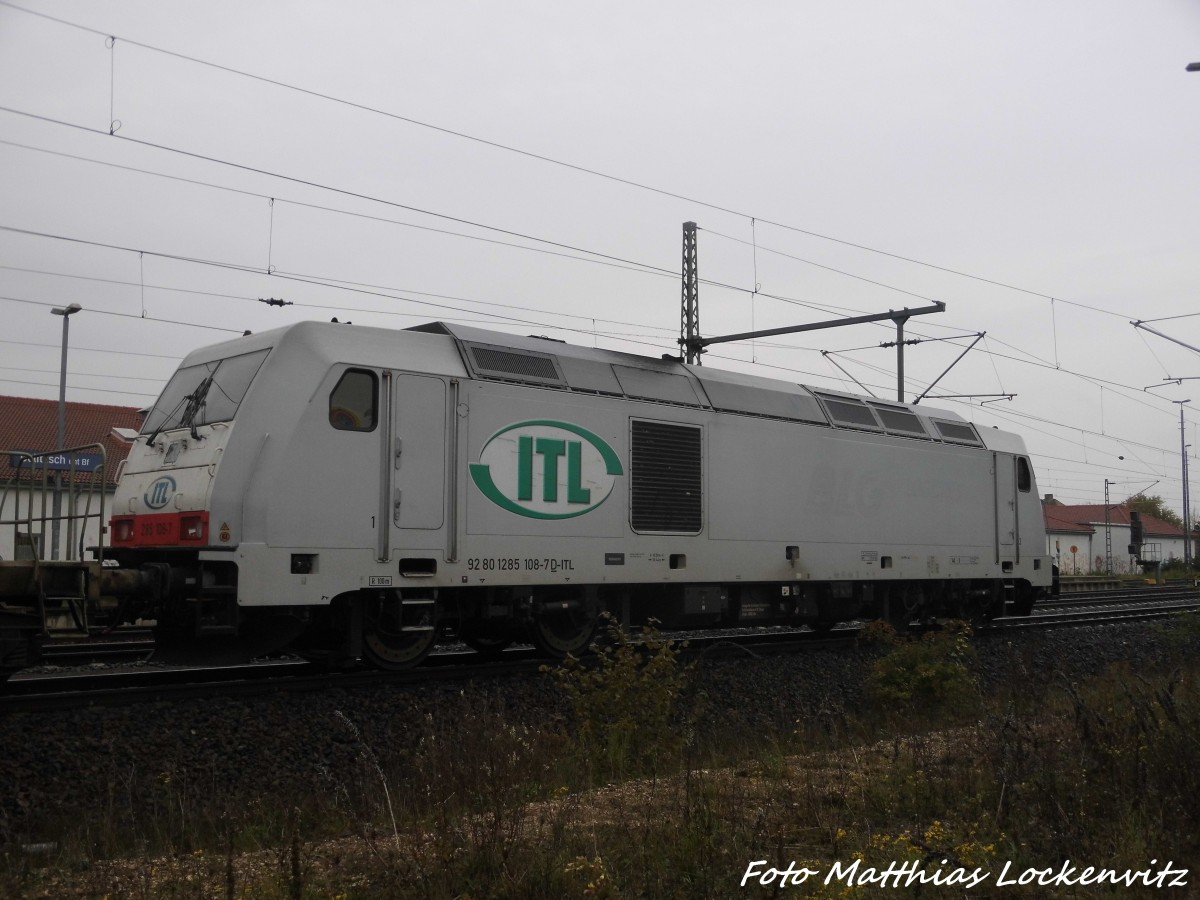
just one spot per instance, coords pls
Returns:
(925, 677)
(624, 700)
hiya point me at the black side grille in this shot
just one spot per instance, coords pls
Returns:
(666, 478)
(523, 366)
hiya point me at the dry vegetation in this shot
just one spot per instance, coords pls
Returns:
(633, 798)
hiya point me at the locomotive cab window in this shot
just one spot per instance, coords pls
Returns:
(1024, 475)
(204, 394)
(353, 403)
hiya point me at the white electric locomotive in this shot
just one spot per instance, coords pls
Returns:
(357, 492)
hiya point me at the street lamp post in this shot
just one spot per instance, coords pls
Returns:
(1187, 541)
(1187, 514)
(66, 314)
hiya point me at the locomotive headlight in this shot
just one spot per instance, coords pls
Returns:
(122, 530)
(191, 528)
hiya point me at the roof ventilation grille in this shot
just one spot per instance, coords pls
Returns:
(515, 365)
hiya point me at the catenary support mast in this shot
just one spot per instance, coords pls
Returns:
(689, 326)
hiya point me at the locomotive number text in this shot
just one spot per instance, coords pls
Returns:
(518, 564)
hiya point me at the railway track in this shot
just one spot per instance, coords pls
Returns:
(123, 644)
(147, 682)
(1105, 615)
(1121, 595)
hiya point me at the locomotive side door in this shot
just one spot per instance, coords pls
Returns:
(1004, 466)
(418, 457)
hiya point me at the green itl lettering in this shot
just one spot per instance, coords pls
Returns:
(576, 492)
(525, 468)
(550, 449)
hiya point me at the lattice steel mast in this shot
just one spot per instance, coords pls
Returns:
(689, 325)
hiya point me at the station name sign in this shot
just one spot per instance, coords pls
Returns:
(80, 462)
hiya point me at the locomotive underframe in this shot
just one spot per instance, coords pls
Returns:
(191, 598)
(195, 605)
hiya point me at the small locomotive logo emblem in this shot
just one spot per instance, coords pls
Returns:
(160, 492)
(544, 469)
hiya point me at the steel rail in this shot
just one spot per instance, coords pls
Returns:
(48, 691)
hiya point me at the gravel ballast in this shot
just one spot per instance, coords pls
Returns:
(108, 765)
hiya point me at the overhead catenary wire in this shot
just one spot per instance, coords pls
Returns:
(108, 312)
(321, 281)
(336, 283)
(80, 349)
(631, 265)
(640, 267)
(1135, 395)
(288, 277)
(80, 387)
(320, 95)
(508, 148)
(599, 257)
(1024, 417)
(28, 370)
(808, 305)
(851, 244)
(293, 179)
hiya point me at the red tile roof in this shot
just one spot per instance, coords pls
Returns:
(1081, 519)
(1061, 522)
(32, 425)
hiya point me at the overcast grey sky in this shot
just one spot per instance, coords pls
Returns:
(1031, 164)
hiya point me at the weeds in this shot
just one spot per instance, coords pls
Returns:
(625, 801)
(926, 678)
(625, 701)
(369, 755)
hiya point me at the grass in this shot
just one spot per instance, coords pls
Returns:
(638, 793)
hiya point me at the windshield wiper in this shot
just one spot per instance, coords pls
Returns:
(162, 423)
(196, 401)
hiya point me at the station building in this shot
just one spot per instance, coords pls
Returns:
(1078, 538)
(28, 473)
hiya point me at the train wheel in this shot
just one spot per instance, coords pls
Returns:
(905, 604)
(1022, 604)
(397, 632)
(565, 625)
(991, 604)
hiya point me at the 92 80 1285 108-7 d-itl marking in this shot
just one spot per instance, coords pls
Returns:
(356, 493)
(514, 564)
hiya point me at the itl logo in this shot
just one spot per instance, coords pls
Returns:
(546, 470)
(160, 492)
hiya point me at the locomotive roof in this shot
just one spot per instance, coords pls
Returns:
(668, 379)
(462, 350)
